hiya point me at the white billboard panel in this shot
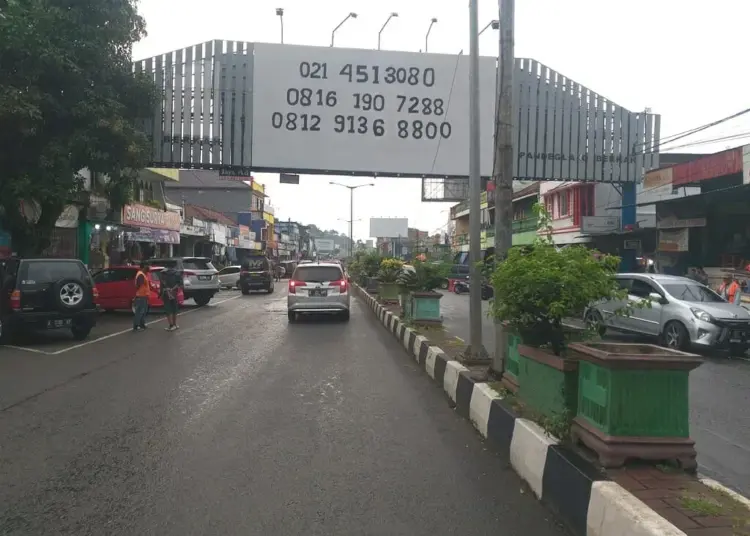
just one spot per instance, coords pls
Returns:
(389, 227)
(324, 245)
(354, 111)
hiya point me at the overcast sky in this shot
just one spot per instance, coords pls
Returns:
(683, 60)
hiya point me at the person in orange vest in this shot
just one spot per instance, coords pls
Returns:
(140, 303)
(730, 290)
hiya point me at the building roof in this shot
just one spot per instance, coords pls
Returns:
(206, 214)
(204, 179)
(531, 189)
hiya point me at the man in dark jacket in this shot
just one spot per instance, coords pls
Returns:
(171, 281)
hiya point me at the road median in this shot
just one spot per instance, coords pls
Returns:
(590, 501)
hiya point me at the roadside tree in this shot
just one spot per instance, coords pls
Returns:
(68, 101)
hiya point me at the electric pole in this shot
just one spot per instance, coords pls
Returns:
(503, 173)
(475, 351)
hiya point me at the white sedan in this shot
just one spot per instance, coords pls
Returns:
(229, 277)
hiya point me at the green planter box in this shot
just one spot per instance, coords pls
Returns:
(633, 403)
(388, 292)
(547, 383)
(424, 307)
(371, 285)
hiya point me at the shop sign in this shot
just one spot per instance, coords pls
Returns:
(675, 223)
(258, 187)
(600, 224)
(192, 230)
(245, 233)
(709, 167)
(483, 200)
(154, 236)
(246, 244)
(631, 245)
(657, 178)
(153, 218)
(219, 233)
(268, 217)
(674, 241)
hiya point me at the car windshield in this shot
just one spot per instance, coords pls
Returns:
(51, 271)
(317, 274)
(692, 292)
(257, 263)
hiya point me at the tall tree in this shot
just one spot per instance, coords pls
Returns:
(68, 100)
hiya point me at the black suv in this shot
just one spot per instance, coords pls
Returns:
(38, 294)
(256, 274)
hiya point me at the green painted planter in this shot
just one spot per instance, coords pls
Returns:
(371, 285)
(512, 361)
(547, 383)
(388, 292)
(424, 307)
(633, 402)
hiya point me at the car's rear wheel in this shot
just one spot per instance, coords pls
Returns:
(245, 291)
(81, 332)
(202, 299)
(595, 322)
(675, 336)
(345, 316)
(270, 289)
(292, 316)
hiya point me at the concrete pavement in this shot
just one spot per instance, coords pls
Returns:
(719, 402)
(240, 423)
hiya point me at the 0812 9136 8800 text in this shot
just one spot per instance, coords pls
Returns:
(365, 111)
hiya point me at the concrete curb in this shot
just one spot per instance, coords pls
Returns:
(570, 486)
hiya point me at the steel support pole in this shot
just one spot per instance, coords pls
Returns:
(351, 222)
(476, 350)
(503, 174)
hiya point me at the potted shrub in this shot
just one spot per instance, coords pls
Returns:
(387, 277)
(370, 267)
(421, 303)
(536, 288)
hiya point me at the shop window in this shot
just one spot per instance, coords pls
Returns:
(549, 205)
(563, 204)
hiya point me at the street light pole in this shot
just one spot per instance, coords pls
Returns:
(392, 15)
(351, 210)
(280, 13)
(495, 25)
(349, 16)
(475, 351)
(503, 175)
(427, 36)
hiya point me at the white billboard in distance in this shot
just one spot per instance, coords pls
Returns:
(389, 227)
(367, 111)
(324, 245)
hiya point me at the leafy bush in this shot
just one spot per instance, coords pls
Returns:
(370, 264)
(538, 286)
(390, 269)
(425, 277)
(355, 270)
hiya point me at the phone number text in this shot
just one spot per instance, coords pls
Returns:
(361, 125)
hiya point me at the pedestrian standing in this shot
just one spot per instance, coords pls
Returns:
(730, 290)
(140, 302)
(171, 281)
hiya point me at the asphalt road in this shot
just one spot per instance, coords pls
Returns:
(240, 423)
(719, 402)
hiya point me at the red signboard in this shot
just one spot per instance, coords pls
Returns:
(708, 167)
(153, 218)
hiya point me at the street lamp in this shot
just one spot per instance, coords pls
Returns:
(351, 210)
(495, 24)
(349, 16)
(427, 37)
(394, 14)
(280, 14)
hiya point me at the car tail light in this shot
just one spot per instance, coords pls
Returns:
(95, 295)
(155, 285)
(293, 284)
(15, 299)
(343, 285)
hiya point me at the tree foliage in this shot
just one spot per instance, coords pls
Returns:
(68, 100)
(538, 286)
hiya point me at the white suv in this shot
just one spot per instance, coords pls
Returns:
(319, 287)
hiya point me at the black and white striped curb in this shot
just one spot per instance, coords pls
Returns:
(569, 485)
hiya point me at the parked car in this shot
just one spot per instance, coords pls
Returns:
(44, 294)
(116, 286)
(683, 313)
(256, 274)
(229, 277)
(318, 288)
(199, 277)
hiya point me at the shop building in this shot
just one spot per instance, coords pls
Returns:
(150, 232)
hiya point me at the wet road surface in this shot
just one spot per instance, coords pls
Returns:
(242, 424)
(719, 401)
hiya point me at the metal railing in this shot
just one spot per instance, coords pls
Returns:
(527, 224)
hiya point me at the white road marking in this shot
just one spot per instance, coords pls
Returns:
(116, 334)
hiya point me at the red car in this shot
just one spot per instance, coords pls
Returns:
(116, 286)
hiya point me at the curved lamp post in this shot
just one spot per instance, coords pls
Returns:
(349, 16)
(429, 29)
(392, 15)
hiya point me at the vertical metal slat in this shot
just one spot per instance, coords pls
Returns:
(207, 87)
(178, 106)
(217, 98)
(196, 155)
(187, 106)
(157, 130)
(559, 89)
(169, 130)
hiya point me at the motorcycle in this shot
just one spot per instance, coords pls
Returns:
(463, 287)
